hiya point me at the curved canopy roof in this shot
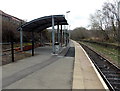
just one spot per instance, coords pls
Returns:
(42, 23)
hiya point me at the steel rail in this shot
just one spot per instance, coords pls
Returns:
(109, 71)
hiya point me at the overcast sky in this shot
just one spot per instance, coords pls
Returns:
(32, 9)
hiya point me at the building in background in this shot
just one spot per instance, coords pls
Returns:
(9, 27)
(10, 18)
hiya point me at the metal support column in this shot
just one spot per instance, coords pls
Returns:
(12, 50)
(61, 36)
(69, 33)
(32, 43)
(53, 35)
(64, 35)
(41, 38)
(21, 39)
(58, 33)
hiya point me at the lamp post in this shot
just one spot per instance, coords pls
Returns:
(67, 14)
(67, 28)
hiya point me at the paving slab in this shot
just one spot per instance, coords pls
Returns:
(57, 75)
(12, 68)
(42, 71)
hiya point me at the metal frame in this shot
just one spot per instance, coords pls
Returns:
(38, 25)
(53, 36)
(12, 50)
(32, 43)
(21, 39)
(61, 36)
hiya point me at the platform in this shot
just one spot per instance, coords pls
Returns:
(85, 75)
(48, 71)
(42, 71)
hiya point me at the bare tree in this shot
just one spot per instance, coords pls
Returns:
(107, 20)
(110, 16)
(98, 24)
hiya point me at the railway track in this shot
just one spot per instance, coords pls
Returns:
(109, 72)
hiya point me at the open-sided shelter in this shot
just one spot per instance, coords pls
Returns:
(38, 25)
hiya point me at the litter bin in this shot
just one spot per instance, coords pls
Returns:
(56, 47)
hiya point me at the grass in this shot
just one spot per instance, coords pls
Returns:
(110, 53)
(24, 44)
(17, 56)
(8, 46)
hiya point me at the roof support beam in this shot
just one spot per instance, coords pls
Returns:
(42, 23)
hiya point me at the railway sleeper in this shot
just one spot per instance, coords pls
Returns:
(108, 70)
(113, 72)
(114, 79)
(116, 84)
